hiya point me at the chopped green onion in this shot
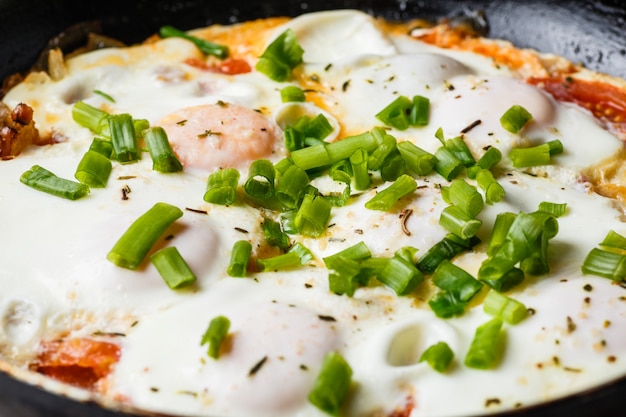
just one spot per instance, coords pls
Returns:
(393, 167)
(290, 186)
(536, 155)
(457, 221)
(173, 268)
(215, 335)
(312, 216)
(446, 248)
(515, 118)
(420, 110)
(417, 160)
(358, 160)
(500, 230)
(407, 253)
(140, 125)
(104, 95)
(614, 240)
(439, 356)
(465, 196)
(281, 57)
(283, 165)
(345, 275)
(490, 158)
(298, 255)
(93, 169)
(401, 276)
(386, 198)
(222, 187)
(387, 145)
(292, 93)
(41, 179)
(163, 157)
(356, 252)
(103, 146)
(460, 150)
(133, 246)
(499, 305)
(260, 182)
(274, 234)
(123, 138)
(486, 346)
(332, 384)
(239, 257)
(605, 264)
(504, 278)
(447, 164)
(90, 117)
(322, 155)
(456, 281)
(396, 113)
(555, 209)
(445, 305)
(494, 192)
(207, 47)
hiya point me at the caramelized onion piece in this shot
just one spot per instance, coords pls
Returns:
(80, 362)
(17, 130)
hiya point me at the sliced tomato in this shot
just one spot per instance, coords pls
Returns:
(605, 101)
(80, 362)
(229, 66)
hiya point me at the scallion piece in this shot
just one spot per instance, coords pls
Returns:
(140, 125)
(457, 221)
(386, 198)
(215, 335)
(447, 164)
(407, 253)
(465, 196)
(356, 252)
(163, 157)
(446, 248)
(332, 384)
(387, 145)
(401, 276)
(281, 57)
(494, 192)
(500, 230)
(41, 179)
(499, 305)
(420, 111)
(515, 118)
(555, 209)
(283, 165)
(605, 264)
(490, 158)
(456, 281)
(535, 155)
(291, 185)
(312, 216)
(501, 279)
(292, 93)
(222, 187)
(93, 169)
(614, 240)
(417, 160)
(260, 182)
(486, 347)
(460, 150)
(327, 154)
(396, 114)
(133, 246)
(358, 160)
(90, 117)
(173, 268)
(393, 167)
(345, 276)
(207, 47)
(439, 356)
(445, 305)
(103, 146)
(298, 255)
(274, 234)
(239, 257)
(123, 138)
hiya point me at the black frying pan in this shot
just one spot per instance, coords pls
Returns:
(590, 32)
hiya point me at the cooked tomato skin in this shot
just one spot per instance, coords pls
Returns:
(80, 362)
(605, 101)
(229, 66)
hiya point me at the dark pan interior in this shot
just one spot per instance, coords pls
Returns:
(589, 32)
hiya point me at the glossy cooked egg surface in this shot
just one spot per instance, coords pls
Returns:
(58, 283)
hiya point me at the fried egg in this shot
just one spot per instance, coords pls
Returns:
(58, 283)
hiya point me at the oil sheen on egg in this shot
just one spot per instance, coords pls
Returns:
(62, 284)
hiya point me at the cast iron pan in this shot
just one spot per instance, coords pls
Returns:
(590, 32)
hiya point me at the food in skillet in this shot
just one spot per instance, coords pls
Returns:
(331, 215)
